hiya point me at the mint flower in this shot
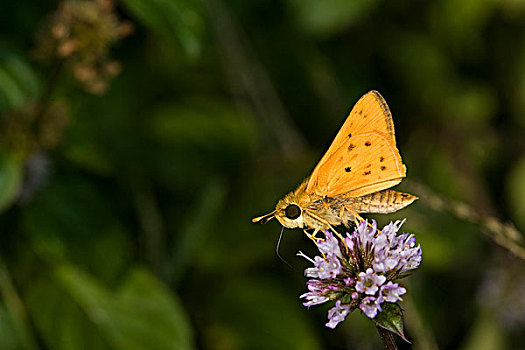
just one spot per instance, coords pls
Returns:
(391, 292)
(360, 272)
(369, 282)
(370, 306)
(337, 314)
(328, 267)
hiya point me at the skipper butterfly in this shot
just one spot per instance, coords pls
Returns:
(353, 177)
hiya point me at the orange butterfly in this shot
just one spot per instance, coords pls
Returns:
(353, 176)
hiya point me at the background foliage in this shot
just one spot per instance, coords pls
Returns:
(133, 158)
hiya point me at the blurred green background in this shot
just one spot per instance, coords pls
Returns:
(139, 138)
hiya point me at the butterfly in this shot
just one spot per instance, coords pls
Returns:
(353, 176)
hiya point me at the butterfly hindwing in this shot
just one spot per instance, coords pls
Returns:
(363, 158)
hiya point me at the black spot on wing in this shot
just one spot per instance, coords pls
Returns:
(351, 147)
(383, 168)
(368, 143)
(348, 169)
(368, 172)
(381, 159)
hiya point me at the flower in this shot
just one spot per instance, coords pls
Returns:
(317, 290)
(330, 246)
(360, 271)
(314, 299)
(369, 282)
(337, 314)
(391, 292)
(328, 267)
(370, 306)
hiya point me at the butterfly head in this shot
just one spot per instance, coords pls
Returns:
(287, 212)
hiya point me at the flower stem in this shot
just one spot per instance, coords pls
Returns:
(387, 337)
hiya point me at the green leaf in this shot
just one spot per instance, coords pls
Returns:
(15, 332)
(160, 308)
(10, 93)
(473, 103)
(9, 339)
(391, 319)
(89, 155)
(180, 20)
(199, 137)
(10, 179)
(60, 322)
(143, 315)
(251, 313)
(329, 17)
(18, 82)
(203, 123)
(462, 21)
(71, 218)
(200, 221)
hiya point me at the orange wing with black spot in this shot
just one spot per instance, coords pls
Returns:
(363, 158)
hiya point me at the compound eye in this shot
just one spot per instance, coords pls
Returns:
(292, 211)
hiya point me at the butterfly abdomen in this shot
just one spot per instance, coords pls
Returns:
(383, 202)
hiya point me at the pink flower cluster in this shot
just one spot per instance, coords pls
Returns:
(359, 271)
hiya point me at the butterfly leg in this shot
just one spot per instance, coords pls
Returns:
(356, 217)
(324, 225)
(329, 228)
(337, 234)
(316, 240)
(317, 229)
(312, 235)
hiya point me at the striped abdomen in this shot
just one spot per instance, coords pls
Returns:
(386, 201)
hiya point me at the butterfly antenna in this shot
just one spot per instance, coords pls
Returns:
(277, 250)
(265, 218)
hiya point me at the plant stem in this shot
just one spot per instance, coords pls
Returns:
(387, 337)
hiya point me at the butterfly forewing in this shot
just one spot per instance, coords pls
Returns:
(363, 157)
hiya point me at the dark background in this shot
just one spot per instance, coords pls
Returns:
(126, 202)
